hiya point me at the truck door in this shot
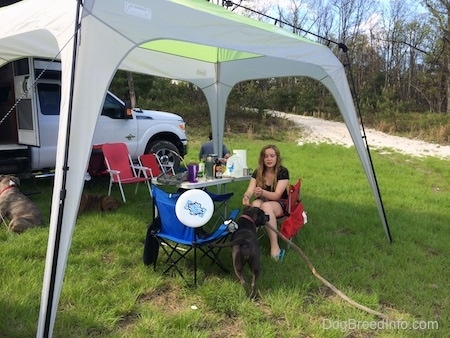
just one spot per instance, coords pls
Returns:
(27, 117)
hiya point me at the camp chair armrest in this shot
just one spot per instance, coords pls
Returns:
(142, 169)
(113, 172)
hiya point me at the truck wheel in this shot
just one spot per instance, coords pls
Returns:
(167, 153)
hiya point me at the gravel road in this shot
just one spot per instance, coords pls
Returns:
(322, 131)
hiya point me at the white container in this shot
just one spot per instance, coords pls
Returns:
(234, 167)
(242, 153)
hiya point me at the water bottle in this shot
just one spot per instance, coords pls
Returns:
(209, 167)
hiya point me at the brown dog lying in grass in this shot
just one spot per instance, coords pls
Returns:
(98, 203)
(21, 212)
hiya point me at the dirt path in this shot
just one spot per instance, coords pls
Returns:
(322, 131)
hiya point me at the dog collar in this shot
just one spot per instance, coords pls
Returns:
(248, 218)
(9, 187)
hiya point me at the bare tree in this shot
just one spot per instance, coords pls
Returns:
(352, 16)
(394, 56)
(131, 89)
(296, 15)
(440, 12)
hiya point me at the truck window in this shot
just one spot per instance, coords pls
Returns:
(113, 108)
(49, 98)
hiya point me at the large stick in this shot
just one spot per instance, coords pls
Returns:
(323, 280)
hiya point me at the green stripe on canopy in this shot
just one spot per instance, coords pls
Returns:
(197, 52)
(214, 54)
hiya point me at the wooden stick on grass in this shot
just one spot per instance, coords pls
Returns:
(324, 281)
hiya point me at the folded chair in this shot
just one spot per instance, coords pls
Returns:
(121, 168)
(178, 238)
(295, 216)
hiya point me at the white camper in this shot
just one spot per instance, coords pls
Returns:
(30, 96)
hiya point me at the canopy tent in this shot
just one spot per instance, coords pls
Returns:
(190, 40)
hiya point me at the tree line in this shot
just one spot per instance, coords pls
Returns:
(398, 57)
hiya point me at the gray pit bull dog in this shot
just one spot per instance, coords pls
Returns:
(245, 246)
(16, 207)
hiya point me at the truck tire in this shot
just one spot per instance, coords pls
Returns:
(166, 151)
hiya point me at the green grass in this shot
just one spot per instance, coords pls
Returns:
(108, 292)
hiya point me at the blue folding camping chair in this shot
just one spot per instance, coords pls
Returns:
(176, 216)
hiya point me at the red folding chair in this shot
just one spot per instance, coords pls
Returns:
(151, 162)
(296, 215)
(121, 168)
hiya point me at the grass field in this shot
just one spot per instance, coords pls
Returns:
(108, 292)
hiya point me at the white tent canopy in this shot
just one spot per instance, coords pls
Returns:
(190, 40)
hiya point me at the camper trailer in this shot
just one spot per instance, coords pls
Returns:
(30, 95)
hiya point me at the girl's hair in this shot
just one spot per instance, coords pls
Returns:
(262, 169)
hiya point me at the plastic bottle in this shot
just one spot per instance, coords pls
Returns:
(201, 170)
(234, 167)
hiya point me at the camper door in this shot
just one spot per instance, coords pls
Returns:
(27, 116)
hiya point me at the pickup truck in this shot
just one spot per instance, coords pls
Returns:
(29, 121)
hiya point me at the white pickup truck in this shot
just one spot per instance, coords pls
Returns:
(29, 130)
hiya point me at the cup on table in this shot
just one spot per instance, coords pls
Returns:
(192, 172)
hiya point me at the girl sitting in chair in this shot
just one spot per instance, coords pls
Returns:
(269, 187)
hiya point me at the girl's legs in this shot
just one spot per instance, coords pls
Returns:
(274, 210)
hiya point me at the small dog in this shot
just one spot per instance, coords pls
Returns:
(90, 202)
(16, 207)
(245, 246)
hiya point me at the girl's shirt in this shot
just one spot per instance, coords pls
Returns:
(283, 174)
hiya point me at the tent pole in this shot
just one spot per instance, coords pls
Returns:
(49, 310)
(364, 137)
